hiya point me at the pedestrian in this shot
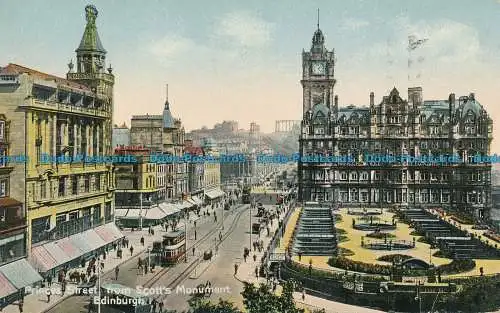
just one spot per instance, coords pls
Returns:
(131, 250)
(255, 257)
(193, 250)
(152, 232)
(256, 271)
(154, 305)
(220, 236)
(303, 294)
(91, 306)
(102, 265)
(117, 270)
(49, 280)
(195, 234)
(21, 305)
(49, 293)
(160, 307)
(142, 241)
(235, 269)
(63, 287)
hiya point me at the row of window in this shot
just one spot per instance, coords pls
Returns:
(422, 196)
(75, 185)
(401, 175)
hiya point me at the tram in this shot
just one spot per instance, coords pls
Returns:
(245, 197)
(172, 249)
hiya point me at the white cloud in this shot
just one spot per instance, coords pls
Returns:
(244, 29)
(171, 46)
(354, 24)
(447, 42)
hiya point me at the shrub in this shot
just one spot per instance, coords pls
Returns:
(393, 257)
(380, 235)
(456, 266)
(345, 252)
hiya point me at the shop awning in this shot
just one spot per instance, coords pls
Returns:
(169, 208)
(20, 274)
(197, 200)
(52, 254)
(185, 205)
(81, 243)
(214, 193)
(6, 288)
(41, 259)
(121, 212)
(57, 253)
(109, 232)
(154, 213)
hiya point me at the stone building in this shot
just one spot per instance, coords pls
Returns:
(63, 127)
(211, 174)
(140, 187)
(348, 138)
(165, 135)
(196, 173)
(121, 136)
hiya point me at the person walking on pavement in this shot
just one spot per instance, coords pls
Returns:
(160, 310)
(49, 293)
(195, 234)
(194, 250)
(49, 280)
(153, 306)
(142, 241)
(117, 270)
(21, 305)
(131, 250)
(235, 269)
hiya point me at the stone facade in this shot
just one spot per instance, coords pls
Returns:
(71, 118)
(121, 136)
(394, 128)
(165, 135)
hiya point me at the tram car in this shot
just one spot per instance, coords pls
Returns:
(172, 249)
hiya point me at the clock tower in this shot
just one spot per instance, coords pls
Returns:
(318, 74)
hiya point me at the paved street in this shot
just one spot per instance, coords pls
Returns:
(207, 232)
(221, 271)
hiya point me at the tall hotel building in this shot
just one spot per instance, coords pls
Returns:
(393, 126)
(68, 206)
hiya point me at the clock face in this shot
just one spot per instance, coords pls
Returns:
(319, 68)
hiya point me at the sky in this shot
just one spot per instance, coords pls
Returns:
(241, 60)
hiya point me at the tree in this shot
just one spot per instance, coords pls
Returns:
(262, 300)
(199, 305)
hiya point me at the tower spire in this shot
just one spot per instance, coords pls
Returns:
(167, 92)
(318, 18)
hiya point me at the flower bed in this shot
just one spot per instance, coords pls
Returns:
(380, 235)
(455, 267)
(393, 257)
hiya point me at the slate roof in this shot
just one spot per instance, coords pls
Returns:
(16, 69)
(168, 120)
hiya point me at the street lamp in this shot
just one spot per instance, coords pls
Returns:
(149, 259)
(186, 234)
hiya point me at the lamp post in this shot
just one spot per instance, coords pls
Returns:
(250, 233)
(140, 212)
(149, 258)
(99, 289)
(186, 234)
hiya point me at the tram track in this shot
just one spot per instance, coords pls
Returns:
(187, 271)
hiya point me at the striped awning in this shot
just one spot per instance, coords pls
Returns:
(50, 255)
